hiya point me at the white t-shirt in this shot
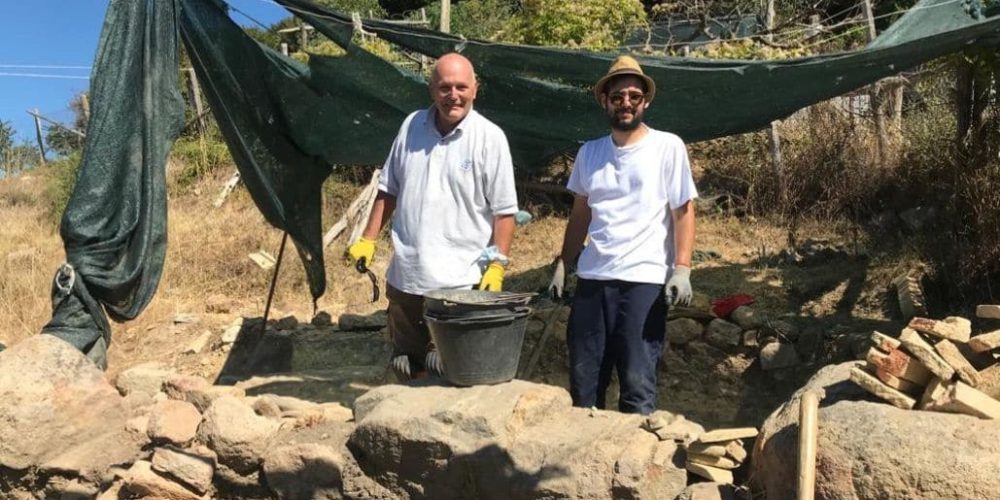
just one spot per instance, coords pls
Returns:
(630, 191)
(447, 189)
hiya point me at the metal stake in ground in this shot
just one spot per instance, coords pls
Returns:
(274, 281)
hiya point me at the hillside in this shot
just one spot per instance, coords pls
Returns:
(837, 294)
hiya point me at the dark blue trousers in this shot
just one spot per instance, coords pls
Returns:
(616, 325)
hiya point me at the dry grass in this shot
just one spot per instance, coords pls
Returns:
(30, 252)
(207, 258)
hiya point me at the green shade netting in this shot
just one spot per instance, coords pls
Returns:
(286, 123)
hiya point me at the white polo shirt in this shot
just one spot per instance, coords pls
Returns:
(631, 191)
(448, 189)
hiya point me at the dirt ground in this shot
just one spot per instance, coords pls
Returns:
(210, 284)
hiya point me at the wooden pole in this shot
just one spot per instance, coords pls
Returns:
(446, 16)
(772, 133)
(423, 19)
(867, 6)
(303, 37)
(85, 105)
(196, 101)
(808, 428)
(769, 20)
(875, 103)
(38, 134)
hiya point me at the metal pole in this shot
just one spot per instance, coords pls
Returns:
(274, 281)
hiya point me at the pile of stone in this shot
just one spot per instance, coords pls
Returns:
(936, 365)
(70, 433)
(779, 343)
(715, 454)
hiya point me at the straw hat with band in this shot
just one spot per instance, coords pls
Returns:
(625, 65)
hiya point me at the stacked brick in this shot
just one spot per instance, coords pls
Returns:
(936, 365)
(715, 454)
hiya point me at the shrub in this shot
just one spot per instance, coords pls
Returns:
(197, 159)
(61, 174)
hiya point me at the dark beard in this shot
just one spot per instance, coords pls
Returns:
(625, 126)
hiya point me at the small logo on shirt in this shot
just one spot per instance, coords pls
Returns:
(465, 165)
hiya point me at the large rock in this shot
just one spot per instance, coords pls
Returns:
(683, 330)
(307, 470)
(193, 468)
(173, 421)
(513, 440)
(53, 400)
(871, 450)
(239, 436)
(142, 482)
(146, 378)
(723, 334)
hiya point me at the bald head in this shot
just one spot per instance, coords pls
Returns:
(453, 88)
(453, 64)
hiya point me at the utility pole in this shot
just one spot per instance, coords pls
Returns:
(446, 16)
(38, 133)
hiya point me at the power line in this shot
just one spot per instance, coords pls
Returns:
(40, 75)
(41, 66)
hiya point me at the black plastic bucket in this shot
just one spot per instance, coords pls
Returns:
(469, 303)
(479, 350)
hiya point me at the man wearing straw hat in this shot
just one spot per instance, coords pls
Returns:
(634, 193)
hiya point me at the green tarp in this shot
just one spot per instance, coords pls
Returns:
(287, 124)
(114, 228)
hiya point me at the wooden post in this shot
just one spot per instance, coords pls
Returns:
(875, 102)
(776, 162)
(303, 37)
(446, 16)
(85, 105)
(772, 132)
(284, 48)
(808, 428)
(423, 19)
(196, 101)
(769, 20)
(867, 6)
(38, 133)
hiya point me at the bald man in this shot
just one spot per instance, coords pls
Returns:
(448, 186)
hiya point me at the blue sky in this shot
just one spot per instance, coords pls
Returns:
(63, 33)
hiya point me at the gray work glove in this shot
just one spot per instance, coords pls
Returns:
(433, 364)
(678, 289)
(558, 282)
(401, 367)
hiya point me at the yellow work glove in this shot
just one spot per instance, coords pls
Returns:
(492, 278)
(361, 249)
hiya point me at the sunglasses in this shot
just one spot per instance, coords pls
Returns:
(634, 98)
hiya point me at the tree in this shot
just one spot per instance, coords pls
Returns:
(590, 24)
(62, 141)
(6, 145)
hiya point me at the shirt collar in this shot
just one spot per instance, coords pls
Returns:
(458, 130)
